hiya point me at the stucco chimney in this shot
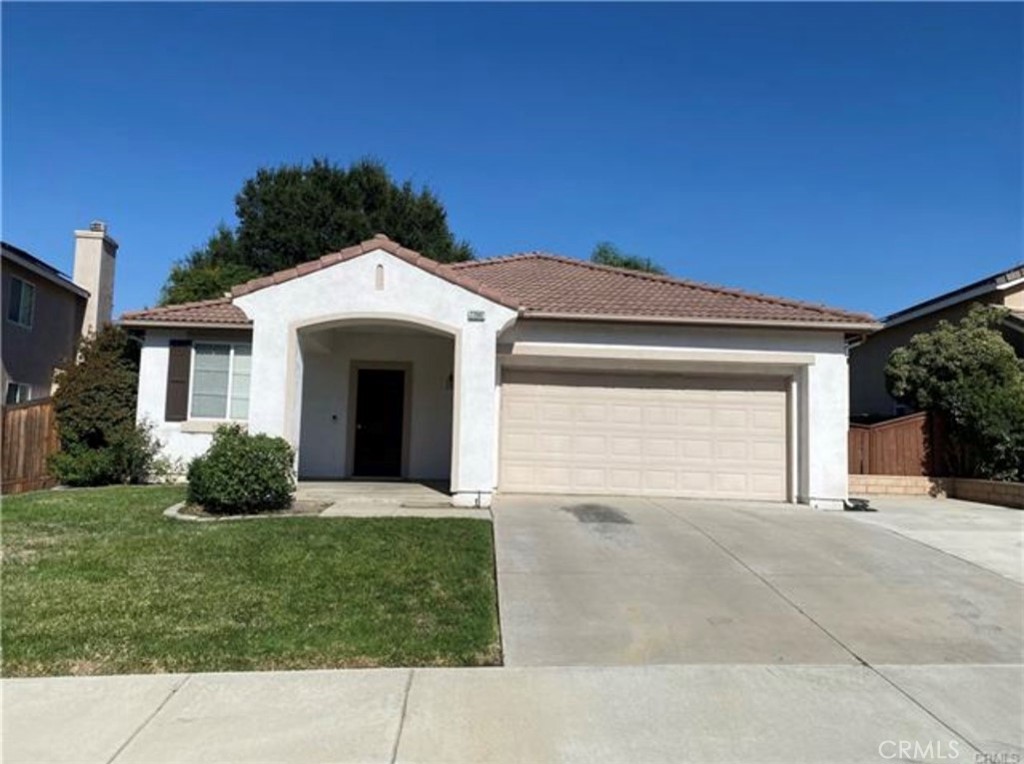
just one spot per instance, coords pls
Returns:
(95, 252)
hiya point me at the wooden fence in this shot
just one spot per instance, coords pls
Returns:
(907, 445)
(29, 437)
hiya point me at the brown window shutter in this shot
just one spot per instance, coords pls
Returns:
(178, 367)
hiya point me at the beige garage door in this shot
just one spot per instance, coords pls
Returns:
(661, 435)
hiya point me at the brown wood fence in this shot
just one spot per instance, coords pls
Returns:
(907, 445)
(29, 437)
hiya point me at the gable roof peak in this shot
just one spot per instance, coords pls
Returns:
(378, 242)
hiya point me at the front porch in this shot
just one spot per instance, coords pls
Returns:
(391, 498)
(376, 493)
(377, 402)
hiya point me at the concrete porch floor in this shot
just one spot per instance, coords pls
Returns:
(384, 498)
(406, 493)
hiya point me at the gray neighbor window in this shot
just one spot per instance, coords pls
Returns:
(21, 301)
(17, 392)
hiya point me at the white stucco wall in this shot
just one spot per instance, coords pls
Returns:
(816, 360)
(327, 374)
(175, 439)
(298, 386)
(348, 292)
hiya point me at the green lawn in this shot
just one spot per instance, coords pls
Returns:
(97, 581)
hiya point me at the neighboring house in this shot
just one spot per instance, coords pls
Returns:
(868, 395)
(529, 373)
(45, 312)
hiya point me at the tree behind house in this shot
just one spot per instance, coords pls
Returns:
(606, 253)
(294, 213)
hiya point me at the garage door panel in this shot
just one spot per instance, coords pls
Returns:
(654, 434)
(770, 421)
(730, 419)
(659, 448)
(554, 444)
(624, 481)
(697, 449)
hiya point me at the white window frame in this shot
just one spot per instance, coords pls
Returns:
(20, 386)
(231, 382)
(32, 311)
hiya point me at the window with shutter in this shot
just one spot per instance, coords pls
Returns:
(178, 370)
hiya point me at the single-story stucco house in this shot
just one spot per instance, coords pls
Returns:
(529, 373)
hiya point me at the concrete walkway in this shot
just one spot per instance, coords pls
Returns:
(590, 715)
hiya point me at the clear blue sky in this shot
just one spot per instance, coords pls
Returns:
(865, 156)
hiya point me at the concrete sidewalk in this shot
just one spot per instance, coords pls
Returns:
(700, 713)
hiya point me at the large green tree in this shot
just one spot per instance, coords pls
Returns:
(606, 253)
(969, 374)
(294, 213)
(208, 271)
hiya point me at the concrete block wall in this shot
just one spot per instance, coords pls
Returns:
(982, 491)
(990, 492)
(898, 485)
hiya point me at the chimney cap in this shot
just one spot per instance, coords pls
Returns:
(98, 225)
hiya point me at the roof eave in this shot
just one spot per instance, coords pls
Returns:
(845, 326)
(139, 323)
(54, 277)
(1001, 283)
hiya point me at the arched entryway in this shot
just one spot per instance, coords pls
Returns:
(376, 400)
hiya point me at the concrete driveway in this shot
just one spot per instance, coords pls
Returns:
(605, 582)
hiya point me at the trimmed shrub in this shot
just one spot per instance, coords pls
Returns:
(242, 473)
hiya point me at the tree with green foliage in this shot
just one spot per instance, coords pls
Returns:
(294, 213)
(94, 404)
(969, 375)
(606, 253)
(208, 271)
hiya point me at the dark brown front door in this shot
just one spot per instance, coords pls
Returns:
(380, 411)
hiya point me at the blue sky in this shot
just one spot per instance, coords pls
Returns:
(865, 156)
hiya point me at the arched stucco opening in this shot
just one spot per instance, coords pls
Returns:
(377, 399)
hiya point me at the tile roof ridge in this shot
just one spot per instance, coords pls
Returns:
(179, 305)
(676, 280)
(498, 259)
(378, 242)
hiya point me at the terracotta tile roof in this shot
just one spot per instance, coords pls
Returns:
(219, 312)
(543, 285)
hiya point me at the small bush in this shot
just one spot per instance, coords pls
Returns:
(127, 457)
(242, 473)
